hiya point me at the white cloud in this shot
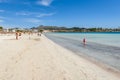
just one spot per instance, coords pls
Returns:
(1, 1)
(23, 13)
(1, 17)
(27, 13)
(27, 3)
(44, 2)
(2, 11)
(1, 20)
(45, 14)
(32, 20)
(34, 14)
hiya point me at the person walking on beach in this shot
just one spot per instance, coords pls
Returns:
(17, 35)
(84, 41)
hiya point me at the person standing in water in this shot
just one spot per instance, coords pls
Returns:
(84, 41)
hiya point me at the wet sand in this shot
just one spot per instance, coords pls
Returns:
(101, 53)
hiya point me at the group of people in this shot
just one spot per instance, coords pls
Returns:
(19, 34)
(39, 34)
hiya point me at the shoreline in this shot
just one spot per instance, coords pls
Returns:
(98, 63)
(41, 58)
(98, 52)
(104, 66)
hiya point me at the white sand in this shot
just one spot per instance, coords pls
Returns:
(41, 59)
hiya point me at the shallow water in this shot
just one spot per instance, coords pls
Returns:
(112, 39)
(103, 47)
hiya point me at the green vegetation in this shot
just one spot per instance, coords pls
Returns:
(76, 29)
(1, 28)
(42, 28)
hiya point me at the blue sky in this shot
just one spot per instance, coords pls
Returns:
(83, 13)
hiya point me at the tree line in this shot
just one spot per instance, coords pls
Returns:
(66, 29)
(76, 29)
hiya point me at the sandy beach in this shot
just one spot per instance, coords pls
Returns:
(38, 58)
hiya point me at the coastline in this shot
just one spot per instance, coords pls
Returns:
(102, 53)
(40, 58)
(103, 65)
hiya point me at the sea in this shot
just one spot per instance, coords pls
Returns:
(103, 47)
